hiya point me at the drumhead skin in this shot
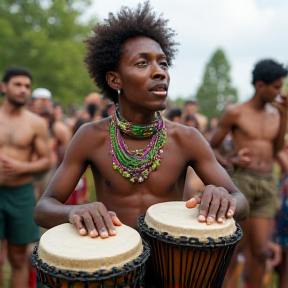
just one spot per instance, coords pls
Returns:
(64, 248)
(177, 220)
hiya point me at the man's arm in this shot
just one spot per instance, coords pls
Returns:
(50, 209)
(40, 147)
(223, 128)
(92, 218)
(281, 105)
(63, 135)
(221, 198)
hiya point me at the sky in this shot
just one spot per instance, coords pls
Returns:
(247, 31)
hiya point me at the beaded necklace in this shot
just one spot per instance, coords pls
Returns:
(136, 165)
(137, 131)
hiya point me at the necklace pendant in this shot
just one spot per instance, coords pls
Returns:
(140, 179)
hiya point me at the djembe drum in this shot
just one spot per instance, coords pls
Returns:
(66, 259)
(184, 252)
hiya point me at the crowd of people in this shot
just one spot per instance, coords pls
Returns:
(46, 151)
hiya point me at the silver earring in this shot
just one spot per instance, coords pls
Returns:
(119, 91)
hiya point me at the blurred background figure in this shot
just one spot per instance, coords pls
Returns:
(191, 121)
(191, 107)
(80, 194)
(175, 115)
(280, 235)
(22, 135)
(41, 101)
(193, 184)
(59, 135)
(211, 128)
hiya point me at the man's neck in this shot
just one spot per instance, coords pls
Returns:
(257, 102)
(11, 109)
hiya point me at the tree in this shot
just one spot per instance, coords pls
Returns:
(47, 38)
(216, 89)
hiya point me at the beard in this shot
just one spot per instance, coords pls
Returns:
(15, 102)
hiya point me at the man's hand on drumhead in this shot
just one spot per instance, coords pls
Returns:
(215, 204)
(94, 219)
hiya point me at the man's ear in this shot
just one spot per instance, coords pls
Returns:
(3, 87)
(259, 85)
(113, 80)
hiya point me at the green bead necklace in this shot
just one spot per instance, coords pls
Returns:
(136, 165)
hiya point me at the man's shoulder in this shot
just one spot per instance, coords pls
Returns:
(235, 109)
(34, 118)
(95, 130)
(180, 131)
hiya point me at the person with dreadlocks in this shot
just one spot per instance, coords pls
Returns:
(137, 158)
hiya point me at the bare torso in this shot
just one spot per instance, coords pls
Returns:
(256, 131)
(17, 135)
(92, 143)
(115, 191)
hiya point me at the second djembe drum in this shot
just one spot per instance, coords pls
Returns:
(184, 252)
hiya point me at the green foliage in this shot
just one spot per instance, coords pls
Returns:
(216, 88)
(47, 38)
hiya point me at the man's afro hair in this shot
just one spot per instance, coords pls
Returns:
(104, 46)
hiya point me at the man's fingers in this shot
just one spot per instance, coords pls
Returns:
(99, 222)
(213, 209)
(205, 203)
(107, 220)
(232, 208)
(95, 220)
(193, 202)
(89, 223)
(115, 219)
(78, 223)
(221, 215)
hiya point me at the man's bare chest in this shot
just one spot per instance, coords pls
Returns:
(258, 127)
(167, 175)
(15, 133)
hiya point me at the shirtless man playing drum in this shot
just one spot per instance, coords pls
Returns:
(258, 127)
(22, 134)
(137, 158)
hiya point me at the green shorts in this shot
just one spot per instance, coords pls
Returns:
(260, 190)
(16, 214)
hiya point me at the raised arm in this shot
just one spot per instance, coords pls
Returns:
(281, 105)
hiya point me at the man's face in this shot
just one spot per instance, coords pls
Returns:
(17, 90)
(143, 73)
(40, 105)
(270, 91)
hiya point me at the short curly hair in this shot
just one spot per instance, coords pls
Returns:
(104, 46)
(268, 71)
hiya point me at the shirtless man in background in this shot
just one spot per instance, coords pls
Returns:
(59, 136)
(22, 133)
(258, 127)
